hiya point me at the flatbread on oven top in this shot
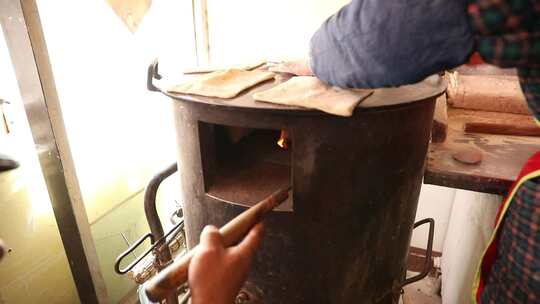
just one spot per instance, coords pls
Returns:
(310, 92)
(222, 84)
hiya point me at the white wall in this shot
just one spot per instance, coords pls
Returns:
(435, 202)
(120, 134)
(249, 30)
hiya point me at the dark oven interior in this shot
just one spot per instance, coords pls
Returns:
(243, 166)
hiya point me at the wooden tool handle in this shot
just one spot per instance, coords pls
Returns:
(170, 278)
(502, 129)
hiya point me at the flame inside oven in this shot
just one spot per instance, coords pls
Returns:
(284, 141)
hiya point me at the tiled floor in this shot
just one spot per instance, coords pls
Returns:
(425, 291)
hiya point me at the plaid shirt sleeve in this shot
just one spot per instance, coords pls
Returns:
(515, 277)
(508, 35)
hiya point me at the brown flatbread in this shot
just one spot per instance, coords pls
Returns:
(310, 92)
(209, 69)
(222, 84)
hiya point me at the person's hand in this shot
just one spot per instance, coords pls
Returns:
(216, 273)
(298, 67)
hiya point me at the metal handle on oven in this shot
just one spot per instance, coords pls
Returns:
(129, 251)
(153, 73)
(398, 288)
(156, 229)
(155, 244)
(429, 252)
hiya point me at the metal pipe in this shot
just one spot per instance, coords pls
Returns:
(163, 253)
(150, 194)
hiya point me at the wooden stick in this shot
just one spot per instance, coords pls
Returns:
(501, 129)
(170, 278)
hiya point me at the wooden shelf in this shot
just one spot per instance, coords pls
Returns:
(503, 156)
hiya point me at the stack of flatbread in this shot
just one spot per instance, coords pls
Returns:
(303, 91)
(310, 92)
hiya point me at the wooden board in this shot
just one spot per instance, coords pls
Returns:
(503, 156)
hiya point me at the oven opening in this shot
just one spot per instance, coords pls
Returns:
(242, 166)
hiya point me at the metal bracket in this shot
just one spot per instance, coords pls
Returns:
(160, 247)
(155, 245)
(153, 73)
(429, 252)
(163, 255)
(398, 288)
(129, 251)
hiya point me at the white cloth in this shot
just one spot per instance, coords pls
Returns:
(469, 231)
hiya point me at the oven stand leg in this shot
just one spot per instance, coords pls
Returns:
(163, 254)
